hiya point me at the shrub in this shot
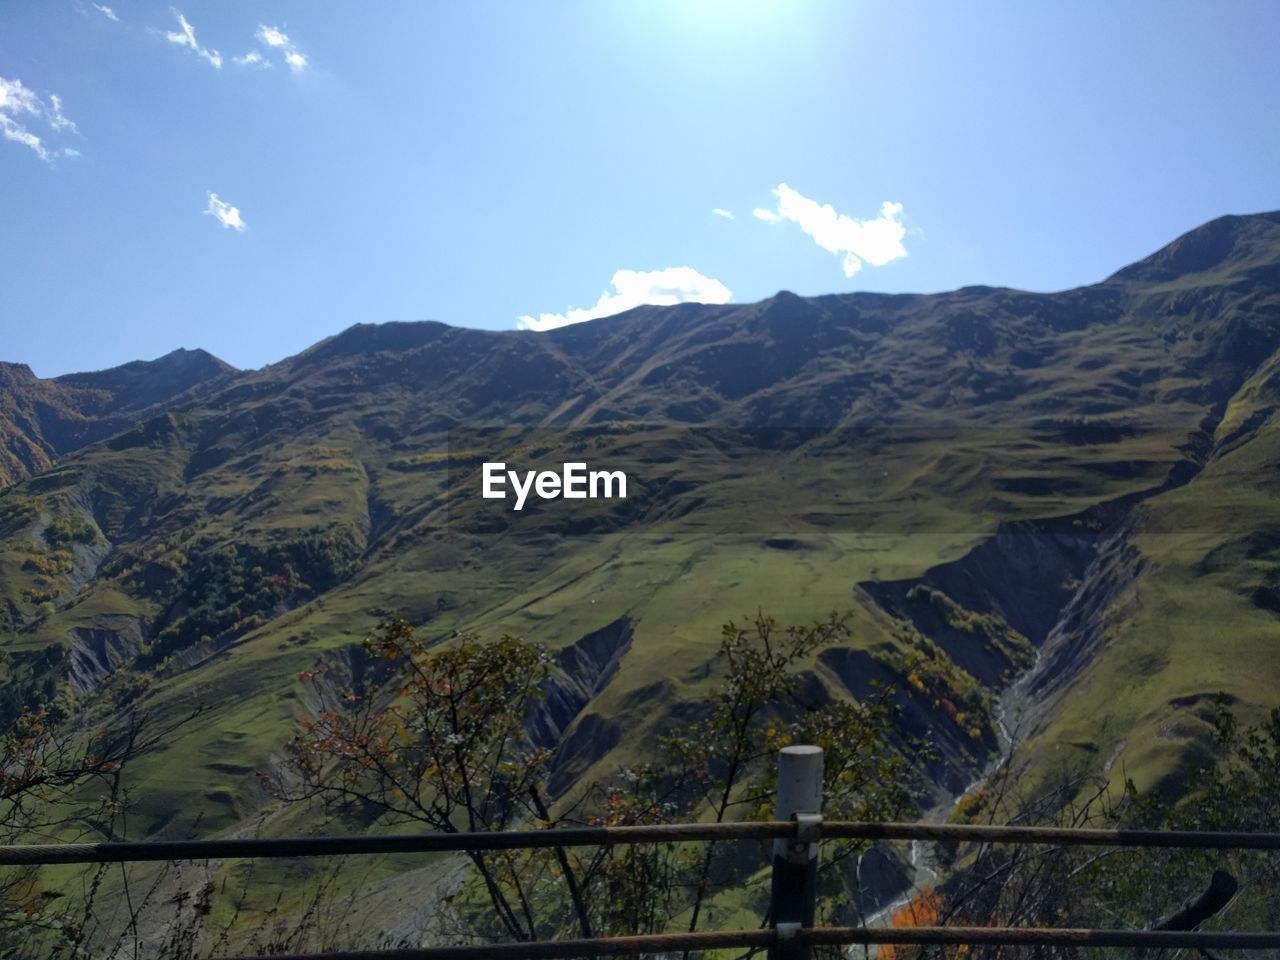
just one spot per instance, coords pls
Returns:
(70, 528)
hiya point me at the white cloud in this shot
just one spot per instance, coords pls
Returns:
(272, 36)
(15, 98)
(20, 106)
(634, 288)
(19, 134)
(106, 12)
(277, 39)
(227, 215)
(186, 37)
(253, 59)
(57, 119)
(721, 212)
(876, 241)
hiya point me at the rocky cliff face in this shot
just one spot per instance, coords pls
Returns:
(581, 671)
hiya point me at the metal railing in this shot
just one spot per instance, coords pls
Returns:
(292, 847)
(796, 833)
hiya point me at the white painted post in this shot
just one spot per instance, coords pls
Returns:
(793, 891)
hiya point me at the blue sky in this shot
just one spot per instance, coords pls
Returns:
(287, 169)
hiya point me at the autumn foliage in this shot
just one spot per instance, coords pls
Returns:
(922, 910)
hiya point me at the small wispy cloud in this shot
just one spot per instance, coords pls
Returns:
(634, 288)
(876, 241)
(57, 119)
(721, 212)
(253, 59)
(277, 39)
(186, 37)
(226, 214)
(106, 11)
(273, 40)
(21, 107)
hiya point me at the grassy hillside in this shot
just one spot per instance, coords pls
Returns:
(1059, 508)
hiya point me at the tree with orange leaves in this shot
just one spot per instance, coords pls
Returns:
(922, 910)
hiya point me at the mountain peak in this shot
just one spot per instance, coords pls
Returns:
(1226, 245)
(15, 372)
(44, 419)
(199, 363)
(360, 338)
(198, 355)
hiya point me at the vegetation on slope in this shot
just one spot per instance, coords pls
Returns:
(1077, 482)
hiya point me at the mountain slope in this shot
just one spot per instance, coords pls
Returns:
(41, 420)
(1074, 488)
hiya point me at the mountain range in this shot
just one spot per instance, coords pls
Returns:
(1053, 517)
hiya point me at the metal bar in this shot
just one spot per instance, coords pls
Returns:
(794, 881)
(1065, 836)
(1047, 936)
(603, 947)
(828, 936)
(26, 854)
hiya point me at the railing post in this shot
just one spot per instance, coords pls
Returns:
(793, 892)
